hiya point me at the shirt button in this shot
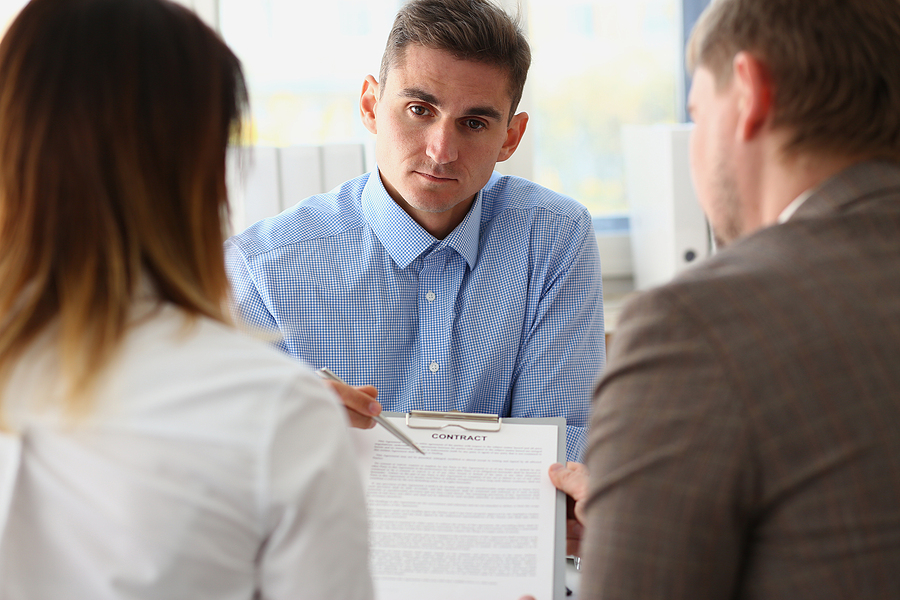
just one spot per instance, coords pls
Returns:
(433, 367)
(430, 296)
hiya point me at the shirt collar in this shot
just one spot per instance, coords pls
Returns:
(791, 208)
(404, 239)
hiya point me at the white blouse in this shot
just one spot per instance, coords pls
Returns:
(211, 466)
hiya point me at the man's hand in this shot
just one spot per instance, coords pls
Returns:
(360, 402)
(573, 480)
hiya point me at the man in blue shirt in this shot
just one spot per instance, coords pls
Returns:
(433, 282)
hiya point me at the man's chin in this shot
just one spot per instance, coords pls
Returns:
(425, 199)
(435, 208)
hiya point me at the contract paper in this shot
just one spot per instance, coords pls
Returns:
(475, 518)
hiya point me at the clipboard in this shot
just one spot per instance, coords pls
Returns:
(481, 424)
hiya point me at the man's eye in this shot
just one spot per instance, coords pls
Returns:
(474, 124)
(418, 110)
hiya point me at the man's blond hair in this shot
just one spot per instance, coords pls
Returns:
(832, 64)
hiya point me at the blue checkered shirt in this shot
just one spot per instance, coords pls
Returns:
(504, 316)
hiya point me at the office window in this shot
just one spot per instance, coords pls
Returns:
(305, 63)
(8, 11)
(598, 64)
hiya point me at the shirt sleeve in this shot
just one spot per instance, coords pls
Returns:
(668, 443)
(247, 302)
(312, 505)
(564, 349)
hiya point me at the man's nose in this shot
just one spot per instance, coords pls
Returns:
(442, 145)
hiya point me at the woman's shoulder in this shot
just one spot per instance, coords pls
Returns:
(202, 367)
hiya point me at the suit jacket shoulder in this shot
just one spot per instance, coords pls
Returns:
(761, 391)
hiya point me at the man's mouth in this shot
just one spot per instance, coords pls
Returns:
(435, 178)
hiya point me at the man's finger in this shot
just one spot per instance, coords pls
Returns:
(361, 403)
(571, 478)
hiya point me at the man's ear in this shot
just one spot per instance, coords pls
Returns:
(514, 132)
(368, 101)
(754, 88)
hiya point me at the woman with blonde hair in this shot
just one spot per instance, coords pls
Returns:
(147, 448)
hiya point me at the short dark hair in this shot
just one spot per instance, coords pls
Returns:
(833, 66)
(475, 30)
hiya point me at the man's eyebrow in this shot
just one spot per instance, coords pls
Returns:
(476, 111)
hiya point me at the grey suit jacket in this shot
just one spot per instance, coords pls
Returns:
(745, 439)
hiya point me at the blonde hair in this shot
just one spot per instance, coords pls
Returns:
(832, 65)
(115, 117)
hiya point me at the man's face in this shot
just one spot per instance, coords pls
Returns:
(713, 166)
(441, 126)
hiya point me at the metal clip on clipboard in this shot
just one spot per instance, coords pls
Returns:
(426, 419)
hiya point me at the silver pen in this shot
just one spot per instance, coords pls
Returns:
(325, 373)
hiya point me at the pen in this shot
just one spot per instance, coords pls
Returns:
(325, 373)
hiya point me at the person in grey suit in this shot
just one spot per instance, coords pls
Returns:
(745, 438)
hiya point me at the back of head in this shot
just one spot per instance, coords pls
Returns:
(832, 65)
(475, 30)
(115, 116)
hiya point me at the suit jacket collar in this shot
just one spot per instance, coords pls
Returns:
(854, 185)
